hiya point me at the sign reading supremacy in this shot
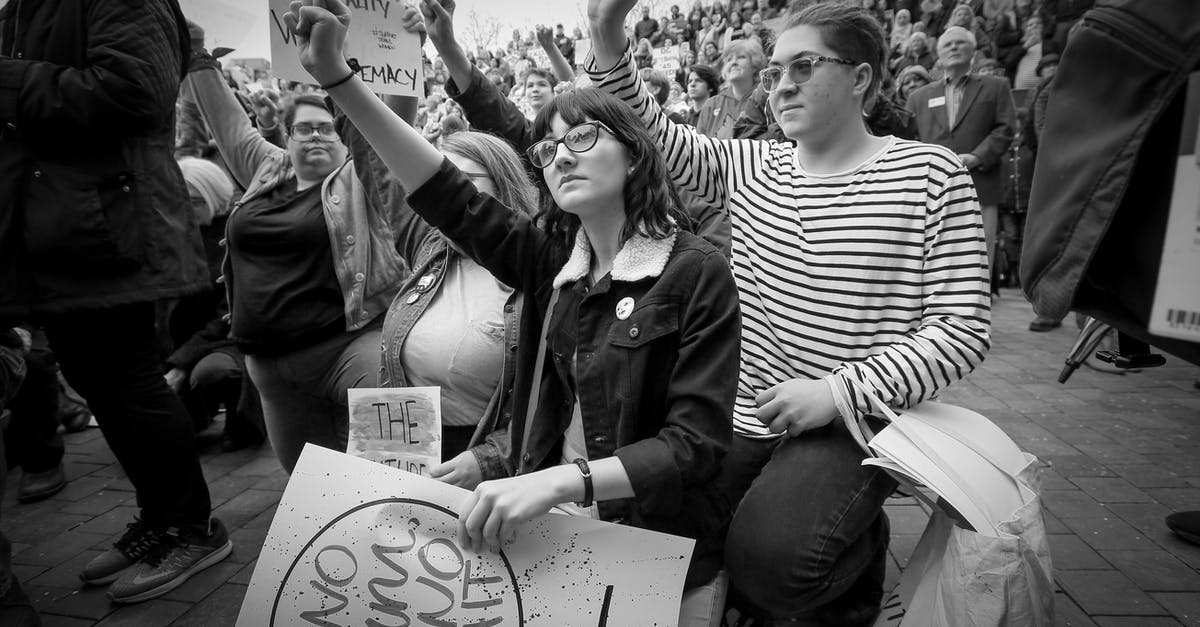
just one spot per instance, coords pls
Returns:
(390, 57)
(357, 543)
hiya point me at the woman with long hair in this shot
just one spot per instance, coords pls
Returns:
(629, 334)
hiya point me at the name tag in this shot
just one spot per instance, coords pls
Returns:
(940, 101)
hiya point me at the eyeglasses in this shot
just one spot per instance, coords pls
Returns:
(798, 71)
(577, 139)
(304, 132)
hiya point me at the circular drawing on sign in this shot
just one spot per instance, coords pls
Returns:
(395, 561)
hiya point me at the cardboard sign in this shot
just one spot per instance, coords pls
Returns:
(1176, 309)
(356, 543)
(666, 58)
(397, 427)
(390, 56)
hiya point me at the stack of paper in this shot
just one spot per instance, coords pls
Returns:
(961, 456)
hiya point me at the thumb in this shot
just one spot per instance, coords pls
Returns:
(444, 468)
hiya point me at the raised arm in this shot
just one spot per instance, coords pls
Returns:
(562, 70)
(697, 163)
(485, 107)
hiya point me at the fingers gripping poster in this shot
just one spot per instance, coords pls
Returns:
(390, 57)
(358, 543)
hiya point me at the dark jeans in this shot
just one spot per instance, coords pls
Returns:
(33, 441)
(110, 356)
(809, 535)
(220, 378)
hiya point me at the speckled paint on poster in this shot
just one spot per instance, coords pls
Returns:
(354, 541)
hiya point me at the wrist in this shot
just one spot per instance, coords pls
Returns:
(328, 73)
(567, 484)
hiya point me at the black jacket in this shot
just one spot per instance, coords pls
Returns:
(655, 386)
(93, 208)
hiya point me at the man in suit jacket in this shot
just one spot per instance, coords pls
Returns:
(971, 115)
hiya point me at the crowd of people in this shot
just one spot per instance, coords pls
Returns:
(597, 261)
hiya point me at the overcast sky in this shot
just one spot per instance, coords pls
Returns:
(243, 24)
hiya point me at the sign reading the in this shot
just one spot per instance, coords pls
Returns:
(397, 427)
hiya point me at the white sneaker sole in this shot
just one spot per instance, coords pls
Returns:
(211, 559)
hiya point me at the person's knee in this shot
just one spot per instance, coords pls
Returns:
(781, 571)
(214, 370)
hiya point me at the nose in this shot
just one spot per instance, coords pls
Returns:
(563, 157)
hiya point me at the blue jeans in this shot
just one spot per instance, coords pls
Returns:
(808, 539)
(304, 392)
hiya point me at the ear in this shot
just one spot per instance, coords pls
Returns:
(862, 78)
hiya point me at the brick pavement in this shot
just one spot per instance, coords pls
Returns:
(1122, 451)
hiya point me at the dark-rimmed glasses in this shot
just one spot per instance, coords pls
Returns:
(304, 132)
(579, 138)
(798, 71)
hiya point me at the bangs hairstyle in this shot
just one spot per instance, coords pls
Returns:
(652, 205)
(514, 189)
(851, 32)
(708, 75)
(301, 100)
(543, 73)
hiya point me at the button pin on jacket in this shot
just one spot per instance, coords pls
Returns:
(425, 282)
(412, 298)
(624, 308)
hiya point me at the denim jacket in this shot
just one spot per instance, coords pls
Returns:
(361, 232)
(655, 347)
(490, 443)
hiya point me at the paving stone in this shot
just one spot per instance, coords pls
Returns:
(1107, 592)
(1072, 504)
(245, 506)
(246, 573)
(43, 526)
(261, 466)
(111, 522)
(153, 612)
(1068, 614)
(906, 519)
(1185, 551)
(247, 543)
(84, 487)
(1138, 621)
(1149, 476)
(1052, 523)
(1078, 466)
(1177, 499)
(1184, 606)
(50, 620)
(219, 608)
(1145, 517)
(1111, 490)
(1108, 533)
(204, 582)
(74, 469)
(99, 502)
(1154, 571)
(43, 597)
(57, 549)
(66, 574)
(1069, 552)
(902, 547)
(89, 602)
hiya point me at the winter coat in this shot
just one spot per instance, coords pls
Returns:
(94, 211)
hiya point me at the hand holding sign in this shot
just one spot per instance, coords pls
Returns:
(462, 471)
(320, 28)
(497, 508)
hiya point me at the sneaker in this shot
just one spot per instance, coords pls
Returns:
(181, 554)
(137, 542)
(38, 486)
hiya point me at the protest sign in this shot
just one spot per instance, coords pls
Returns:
(666, 59)
(356, 543)
(225, 22)
(539, 58)
(390, 57)
(397, 427)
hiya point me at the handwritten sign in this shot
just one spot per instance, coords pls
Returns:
(357, 543)
(666, 58)
(397, 427)
(390, 57)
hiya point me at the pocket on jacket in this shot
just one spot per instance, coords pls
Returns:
(86, 224)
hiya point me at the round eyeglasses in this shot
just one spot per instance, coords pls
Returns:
(798, 71)
(577, 139)
(304, 132)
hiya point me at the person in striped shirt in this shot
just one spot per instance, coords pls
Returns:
(856, 257)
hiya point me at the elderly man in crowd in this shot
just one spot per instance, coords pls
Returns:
(972, 115)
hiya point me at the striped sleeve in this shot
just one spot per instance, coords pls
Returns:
(697, 163)
(955, 323)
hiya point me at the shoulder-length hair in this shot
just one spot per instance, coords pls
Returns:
(652, 205)
(514, 189)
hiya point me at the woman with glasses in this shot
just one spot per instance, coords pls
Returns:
(310, 262)
(856, 256)
(629, 332)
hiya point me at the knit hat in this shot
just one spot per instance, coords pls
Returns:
(914, 69)
(211, 182)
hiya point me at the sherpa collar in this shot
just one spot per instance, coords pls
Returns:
(640, 258)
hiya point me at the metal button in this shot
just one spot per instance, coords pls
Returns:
(222, 242)
(125, 188)
(226, 317)
(633, 332)
(508, 309)
(335, 199)
(412, 298)
(349, 239)
(364, 313)
(359, 277)
(588, 355)
(526, 457)
(513, 348)
(600, 439)
(221, 279)
(37, 174)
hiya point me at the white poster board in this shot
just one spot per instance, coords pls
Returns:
(666, 59)
(397, 427)
(390, 56)
(353, 541)
(225, 22)
(1176, 309)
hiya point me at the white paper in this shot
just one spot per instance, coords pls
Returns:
(389, 55)
(353, 540)
(397, 427)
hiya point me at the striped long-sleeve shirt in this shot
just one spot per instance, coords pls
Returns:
(878, 273)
